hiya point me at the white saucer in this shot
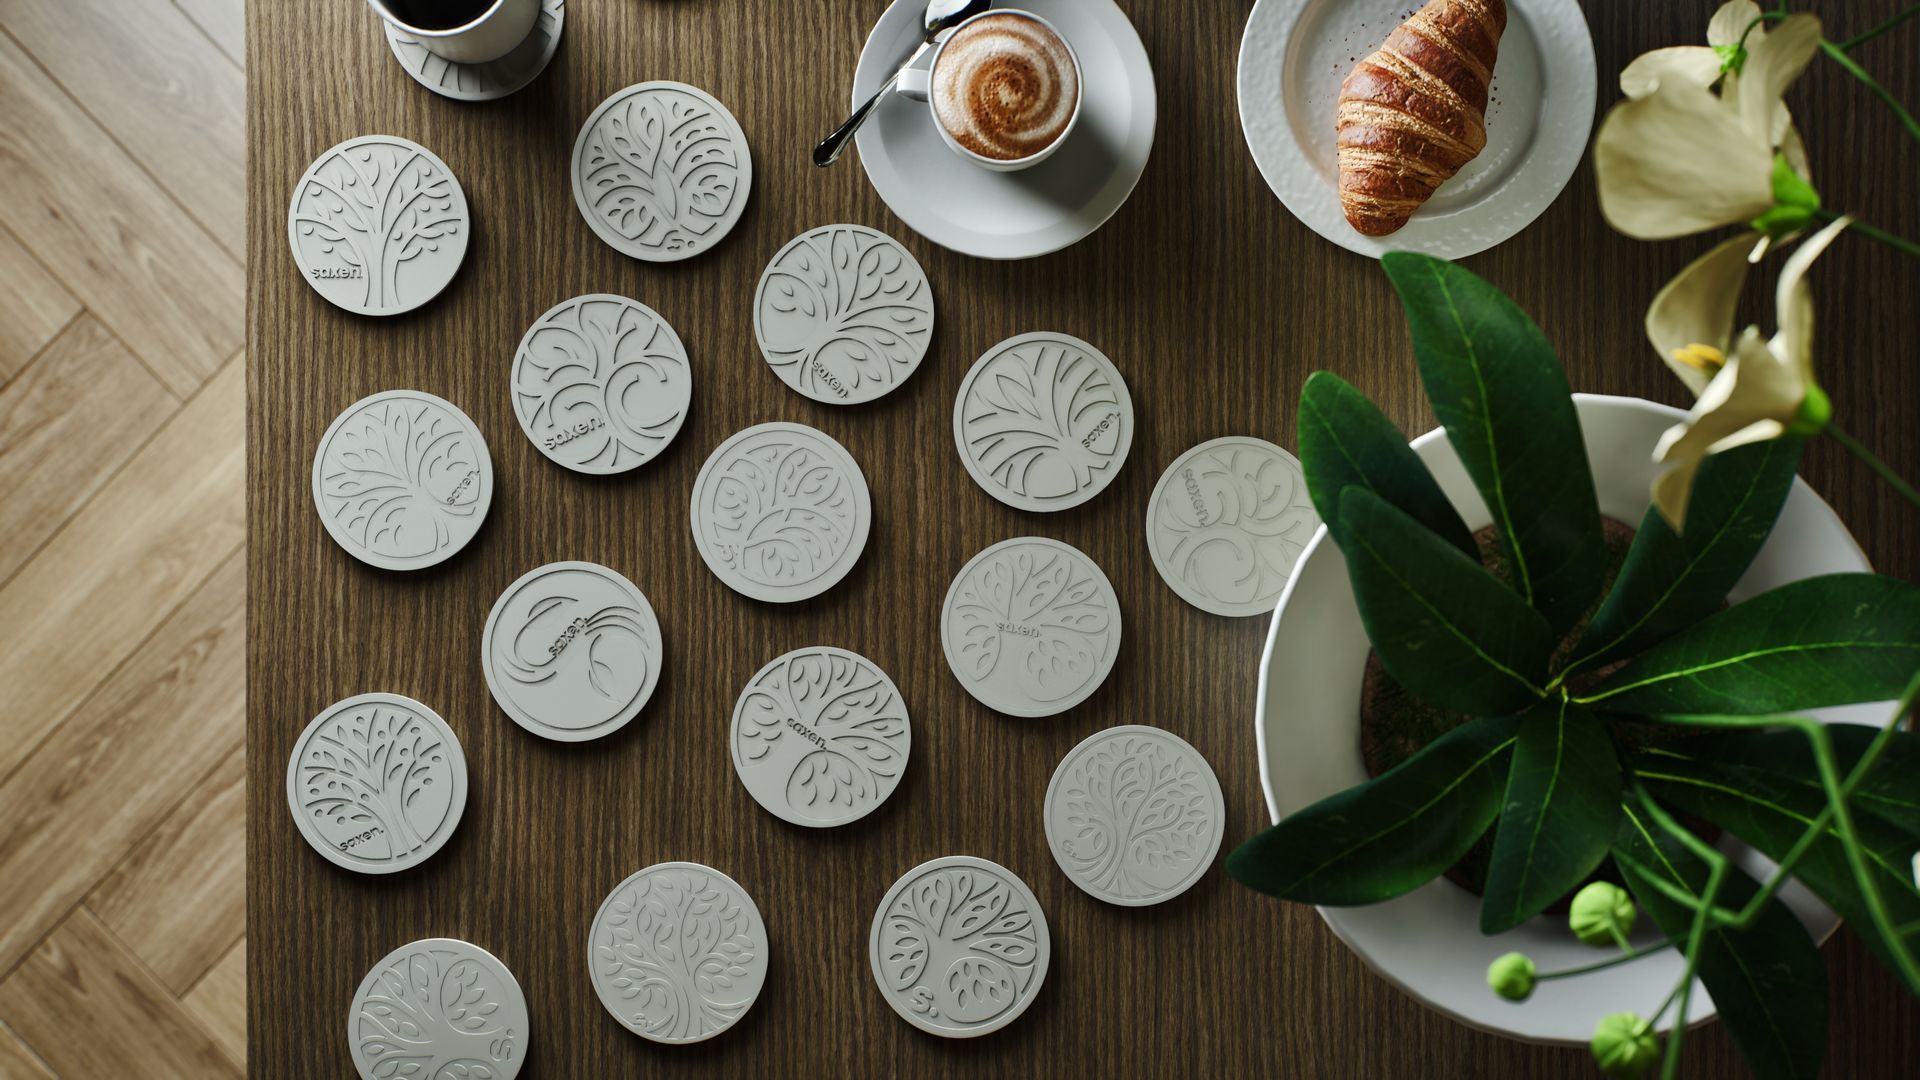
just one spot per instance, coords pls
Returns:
(492, 80)
(1022, 214)
(1296, 53)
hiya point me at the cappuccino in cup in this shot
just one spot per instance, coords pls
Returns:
(1004, 89)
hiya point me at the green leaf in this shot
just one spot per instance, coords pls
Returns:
(1771, 813)
(1888, 791)
(1444, 627)
(1390, 835)
(1669, 581)
(1832, 640)
(1494, 381)
(1768, 981)
(1557, 823)
(1346, 442)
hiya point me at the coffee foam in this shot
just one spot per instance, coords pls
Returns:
(1005, 87)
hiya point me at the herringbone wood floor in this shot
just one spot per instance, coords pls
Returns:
(122, 911)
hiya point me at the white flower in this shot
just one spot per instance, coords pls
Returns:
(1756, 390)
(1679, 157)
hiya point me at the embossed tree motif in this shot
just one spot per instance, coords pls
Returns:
(397, 473)
(844, 305)
(675, 945)
(1032, 420)
(531, 658)
(1140, 817)
(781, 512)
(1245, 505)
(853, 712)
(605, 375)
(372, 768)
(960, 945)
(434, 1015)
(1048, 604)
(660, 168)
(373, 207)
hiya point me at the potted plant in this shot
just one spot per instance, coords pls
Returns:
(1607, 716)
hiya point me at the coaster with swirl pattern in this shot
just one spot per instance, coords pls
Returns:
(487, 81)
(1031, 627)
(601, 384)
(378, 225)
(572, 651)
(439, 1007)
(1134, 815)
(661, 171)
(781, 512)
(1226, 523)
(843, 314)
(959, 946)
(402, 480)
(678, 952)
(1043, 421)
(820, 736)
(377, 783)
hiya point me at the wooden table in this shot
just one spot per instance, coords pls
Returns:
(1213, 301)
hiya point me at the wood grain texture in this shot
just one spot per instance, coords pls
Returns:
(142, 745)
(51, 463)
(224, 21)
(219, 1000)
(112, 235)
(34, 306)
(17, 1059)
(179, 901)
(1214, 303)
(82, 970)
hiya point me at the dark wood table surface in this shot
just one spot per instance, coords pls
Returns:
(1214, 303)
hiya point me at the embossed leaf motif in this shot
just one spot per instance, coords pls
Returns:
(368, 210)
(434, 1016)
(854, 712)
(1031, 420)
(389, 473)
(781, 513)
(660, 169)
(959, 944)
(674, 945)
(565, 641)
(605, 383)
(1139, 814)
(1048, 606)
(1250, 515)
(844, 305)
(375, 768)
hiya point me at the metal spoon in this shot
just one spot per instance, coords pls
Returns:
(942, 15)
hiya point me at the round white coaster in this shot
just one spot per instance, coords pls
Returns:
(440, 1007)
(378, 225)
(1227, 522)
(572, 651)
(377, 783)
(678, 952)
(781, 512)
(1031, 627)
(820, 736)
(959, 946)
(493, 79)
(601, 383)
(402, 479)
(1134, 815)
(1043, 421)
(843, 314)
(661, 171)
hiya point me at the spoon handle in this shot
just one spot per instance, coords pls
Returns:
(834, 145)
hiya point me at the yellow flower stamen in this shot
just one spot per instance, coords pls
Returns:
(1701, 357)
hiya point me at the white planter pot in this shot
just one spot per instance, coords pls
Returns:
(1429, 942)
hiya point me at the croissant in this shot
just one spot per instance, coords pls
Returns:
(1412, 113)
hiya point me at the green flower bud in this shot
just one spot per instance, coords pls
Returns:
(1602, 914)
(1511, 976)
(1816, 411)
(1623, 1045)
(1795, 202)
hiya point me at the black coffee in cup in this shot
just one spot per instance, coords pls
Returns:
(438, 14)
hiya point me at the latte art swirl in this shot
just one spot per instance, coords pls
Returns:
(1005, 87)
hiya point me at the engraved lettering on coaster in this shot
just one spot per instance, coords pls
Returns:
(572, 651)
(1226, 523)
(781, 512)
(601, 383)
(488, 81)
(1134, 815)
(843, 314)
(959, 946)
(678, 952)
(378, 225)
(1043, 421)
(820, 736)
(402, 480)
(377, 783)
(439, 1008)
(1031, 627)
(661, 171)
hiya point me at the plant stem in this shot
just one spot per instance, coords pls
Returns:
(1872, 461)
(1850, 841)
(1882, 236)
(1612, 961)
(1860, 39)
(1696, 937)
(1839, 56)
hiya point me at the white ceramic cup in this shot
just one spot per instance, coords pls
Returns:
(491, 35)
(917, 84)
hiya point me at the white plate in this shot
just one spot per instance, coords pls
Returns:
(1296, 53)
(1428, 942)
(1015, 215)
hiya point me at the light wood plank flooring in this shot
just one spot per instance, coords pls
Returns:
(122, 576)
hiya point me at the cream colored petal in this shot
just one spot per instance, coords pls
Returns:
(1671, 164)
(1673, 490)
(1697, 307)
(1751, 399)
(1771, 67)
(1732, 20)
(1793, 300)
(1795, 150)
(1689, 64)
